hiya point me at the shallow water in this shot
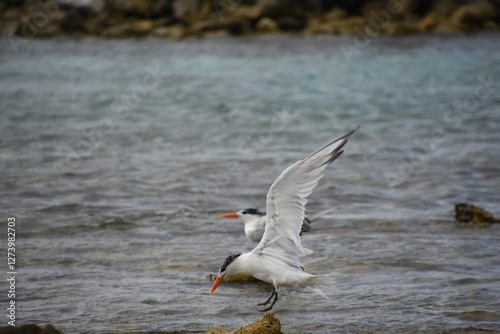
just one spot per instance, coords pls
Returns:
(118, 156)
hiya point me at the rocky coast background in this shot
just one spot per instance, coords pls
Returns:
(26, 19)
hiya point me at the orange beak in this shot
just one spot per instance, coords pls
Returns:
(216, 283)
(230, 215)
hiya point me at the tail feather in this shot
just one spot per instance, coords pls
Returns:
(316, 282)
(321, 215)
(306, 224)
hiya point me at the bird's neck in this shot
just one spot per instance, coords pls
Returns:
(240, 266)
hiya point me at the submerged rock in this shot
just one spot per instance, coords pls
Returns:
(268, 324)
(467, 214)
(30, 329)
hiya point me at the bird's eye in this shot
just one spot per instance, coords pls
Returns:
(245, 212)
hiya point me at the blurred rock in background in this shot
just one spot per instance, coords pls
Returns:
(25, 19)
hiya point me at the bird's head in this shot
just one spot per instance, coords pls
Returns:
(245, 214)
(225, 268)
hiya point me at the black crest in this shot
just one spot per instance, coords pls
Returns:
(252, 212)
(228, 261)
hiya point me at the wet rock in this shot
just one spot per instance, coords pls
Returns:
(83, 6)
(174, 31)
(30, 329)
(291, 23)
(267, 24)
(475, 16)
(250, 13)
(191, 10)
(219, 330)
(268, 324)
(231, 25)
(278, 9)
(141, 8)
(479, 316)
(117, 224)
(402, 28)
(325, 24)
(444, 8)
(435, 22)
(72, 21)
(467, 214)
(135, 28)
(185, 18)
(349, 25)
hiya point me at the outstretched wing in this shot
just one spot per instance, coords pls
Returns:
(286, 201)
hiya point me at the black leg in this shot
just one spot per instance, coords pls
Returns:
(273, 294)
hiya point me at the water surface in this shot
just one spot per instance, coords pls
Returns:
(118, 156)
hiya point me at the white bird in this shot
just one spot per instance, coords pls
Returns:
(276, 259)
(255, 222)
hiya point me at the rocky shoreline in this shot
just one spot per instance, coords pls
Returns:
(267, 324)
(26, 19)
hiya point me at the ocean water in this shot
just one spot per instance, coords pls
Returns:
(118, 156)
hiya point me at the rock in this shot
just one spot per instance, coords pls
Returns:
(13, 3)
(277, 9)
(232, 25)
(250, 13)
(435, 22)
(135, 28)
(335, 14)
(30, 329)
(396, 10)
(268, 324)
(191, 10)
(72, 21)
(402, 28)
(479, 316)
(219, 330)
(141, 8)
(444, 8)
(336, 24)
(267, 24)
(291, 23)
(474, 16)
(325, 24)
(83, 6)
(174, 31)
(183, 18)
(467, 214)
(349, 25)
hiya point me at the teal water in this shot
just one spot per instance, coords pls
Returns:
(118, 156)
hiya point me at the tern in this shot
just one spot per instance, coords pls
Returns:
(276, 259)
(255, 221)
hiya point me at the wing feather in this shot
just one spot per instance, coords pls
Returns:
(286, 202)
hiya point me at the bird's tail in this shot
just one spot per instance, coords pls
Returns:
(321, 215)
(316, 282)
(308, 220)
